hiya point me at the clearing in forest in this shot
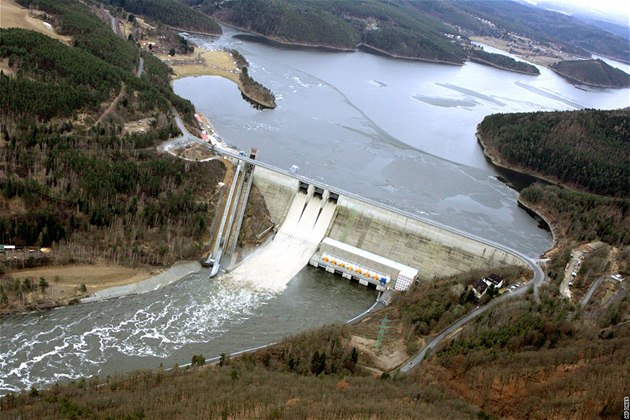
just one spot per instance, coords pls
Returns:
(12, 15)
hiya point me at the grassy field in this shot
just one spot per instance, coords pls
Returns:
(205, 63)
(65, 282)
(13, 15)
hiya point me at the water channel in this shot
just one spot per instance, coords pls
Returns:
(401, 132)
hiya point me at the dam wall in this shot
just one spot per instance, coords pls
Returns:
(433, 250)
(278, 191)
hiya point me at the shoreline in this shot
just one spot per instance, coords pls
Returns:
(68, 284)
(173, 274)
(331, 48)
(498, 161)
(192, 31)
(375, 50)
(554, 228)
(583, 83)
(210, 69)
(141, 282)
(488, 63)
(557, 236)
(248, 32)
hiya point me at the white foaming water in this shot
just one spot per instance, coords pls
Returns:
(295, 243)
(79, 341)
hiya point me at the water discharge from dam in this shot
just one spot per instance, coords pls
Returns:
(304, 228)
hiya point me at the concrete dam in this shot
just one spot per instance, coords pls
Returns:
(360, 239)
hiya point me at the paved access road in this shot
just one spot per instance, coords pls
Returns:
(456, 326)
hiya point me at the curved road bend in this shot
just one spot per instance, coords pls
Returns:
(457, 325)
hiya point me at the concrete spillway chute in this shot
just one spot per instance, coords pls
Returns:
(297, 240)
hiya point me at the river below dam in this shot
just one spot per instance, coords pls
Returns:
(396, 131)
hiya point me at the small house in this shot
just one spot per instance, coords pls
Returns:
(480, 288)
(494, 280)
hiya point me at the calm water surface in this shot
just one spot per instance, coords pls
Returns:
(400, 132)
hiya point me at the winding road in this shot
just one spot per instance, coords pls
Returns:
(457, 325)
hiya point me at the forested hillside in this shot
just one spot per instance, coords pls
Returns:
(583, 217)
(400, 32)
(288, 22)
(522, 359)
(75, 173)
(587, 149)
(501, 61)
(540, 360)
(419, 29)
(592, 73)
(343, 25)
(171, 13)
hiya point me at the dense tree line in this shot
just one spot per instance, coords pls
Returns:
(66, 79)
(344, 24)
(171, 13)
(584, 217)
(256, 91)
(238, 57)
(91, 189)
(408, 43)
(592, 73)
(89, 33)
(81, 185)
(587, 149)
(500, 60)
(287, 21)
(411, 28)
(401, 31)
(93, 36)
(55, 80)
(16, 98)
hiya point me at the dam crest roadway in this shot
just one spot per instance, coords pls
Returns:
(306, 215)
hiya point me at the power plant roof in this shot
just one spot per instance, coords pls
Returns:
(405, 270)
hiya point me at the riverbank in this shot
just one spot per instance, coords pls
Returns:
(175, 273)
(66, 284)
(575, 81)
(497, 160)
(559, 239)
(213, 63)
(73, 284)
(252, 35)
(374, 50)
(496, 66)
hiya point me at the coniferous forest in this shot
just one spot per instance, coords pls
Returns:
(420, 29)
(502, 61)
(592, 73)
(587, 150)
(171, 13)
(73, 175)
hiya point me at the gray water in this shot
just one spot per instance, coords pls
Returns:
(167, 326)
(401, 132)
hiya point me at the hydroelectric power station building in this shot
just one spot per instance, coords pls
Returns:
(363, 266)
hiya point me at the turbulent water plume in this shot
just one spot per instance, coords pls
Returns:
(296, 241)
